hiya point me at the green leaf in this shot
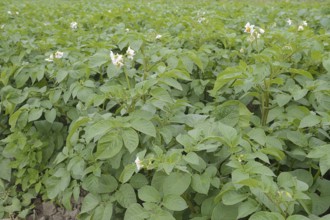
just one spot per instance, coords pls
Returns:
(326, 64)
(297, 217)
(138, 180)
(278, 154)
(35, 114)
(192, 158)
(103, 212)
(247, 208)
(127, 173)
(109, 146)
(258, 168)
(89, 203)
(74, 127)
(50, 115)
(149, 194)
(171, 82)
(229, 74)
(225, 212)
(176, 183)
(201, 183)
(309, 121)
(61, 75)
(258, 135)
(297, 138)
(103, 184)
(325, 163)
(131, 139)
(125, 195)
(282, 99)
(144, 126)
(233, 197)
(229, 133)
(135, 212)
(263, 215)
(174, 203)
(5, 169)
(161, 94)
(301, 72)
(101, 57)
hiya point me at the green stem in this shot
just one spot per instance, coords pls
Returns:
(317, 175)
(127, 81)
(265, 104)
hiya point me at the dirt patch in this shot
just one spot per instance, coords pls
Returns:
(49, 211)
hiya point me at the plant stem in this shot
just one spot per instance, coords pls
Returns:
(265, 104)
(127, 81)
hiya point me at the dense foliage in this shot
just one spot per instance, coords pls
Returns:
(166, 109)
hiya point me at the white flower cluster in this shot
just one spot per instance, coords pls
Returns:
(57, 55)
(73, 25)
(255, 32)
(300, 27)
(118, 59)
(138, 163)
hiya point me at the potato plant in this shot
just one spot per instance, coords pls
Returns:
(161, 110)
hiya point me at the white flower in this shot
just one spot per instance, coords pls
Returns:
(200, 20)
(59, 54)
(241, 50)
(2, 26)
(158, 36)
(9, 12)
(74, 25)
(138, 164)
(304, 23)
(289, 21)
(50, 59)
(300, 28)
(127, 30)
(109, 11)
(17, 13)
(249, 28)
(130, 53)
(261, 31)
(117, 59)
